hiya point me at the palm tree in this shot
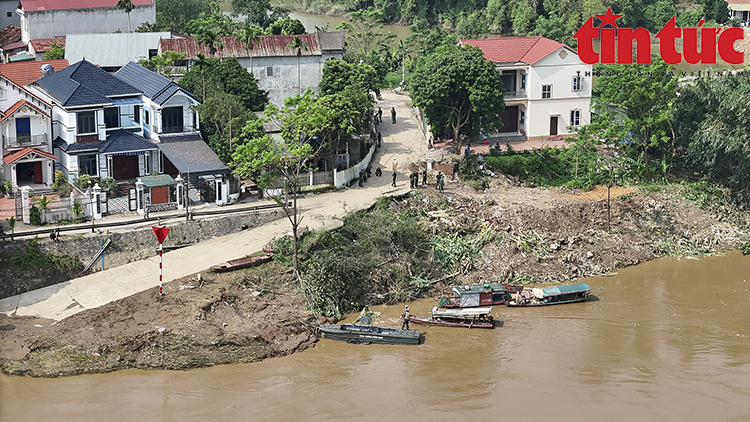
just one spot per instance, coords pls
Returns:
(201, 62)
(249, 36)
(12, 225)
(127, 6)
(43, 205)
(210, 39)
(298, 45)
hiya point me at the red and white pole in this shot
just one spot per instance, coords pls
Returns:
(160, 268)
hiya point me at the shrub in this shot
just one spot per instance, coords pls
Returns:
(35, 216)
(8, 186)
(83, 181)
(109, 185)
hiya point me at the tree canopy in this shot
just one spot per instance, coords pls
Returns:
(459, 89)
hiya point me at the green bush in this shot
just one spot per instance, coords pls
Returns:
(109, 185)
(33, 260)
(35, 216)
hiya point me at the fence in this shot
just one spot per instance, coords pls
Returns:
(321, 178)
(342, 178)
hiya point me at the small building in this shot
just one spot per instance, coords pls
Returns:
(10, 37)
(740, 10)
(58, 18)
(547, 86)
(8, 15)
(38, 47)
(113, 51)
(276, 66)
(25, 125)
(159, 192)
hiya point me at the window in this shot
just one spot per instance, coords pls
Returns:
(137, 113)
(546, 91)
(523, 117)
(147, 117)
(9, 14)
(171, 120)
(523, 81)
(86, 122)
(112, 117)
(577, 84)
(87, 164)
(269, 71)
(575, 117)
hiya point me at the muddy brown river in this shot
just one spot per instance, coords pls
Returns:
(668, 340)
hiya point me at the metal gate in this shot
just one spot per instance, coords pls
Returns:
(19, 205)
(132, 200)
(103, 200)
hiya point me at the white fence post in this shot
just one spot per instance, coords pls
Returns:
(25, 202)
(97, 201)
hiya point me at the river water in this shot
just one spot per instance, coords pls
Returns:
(668, 340)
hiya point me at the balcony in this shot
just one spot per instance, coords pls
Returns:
(177, 129)
(513, 95)
(24, 140)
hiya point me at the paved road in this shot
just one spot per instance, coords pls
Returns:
(402, 143)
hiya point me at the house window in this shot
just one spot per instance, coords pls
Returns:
(87, 164)
(523, 81)
(86, 122)
(9, 14)
(23, 129)
(577, 84)
(171, 120)
(112, 117)
(575, 117)
(137, 113)
(269, 71)
(546, 91)
(523, 117)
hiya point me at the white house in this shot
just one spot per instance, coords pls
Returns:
(25, 126)
(740, 10)
(277, 67)
(548, 88)
(58, 18)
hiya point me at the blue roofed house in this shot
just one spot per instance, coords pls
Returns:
(112, 126)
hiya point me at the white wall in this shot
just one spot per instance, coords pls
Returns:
(100, 20)
(284, 82)
(538, 115)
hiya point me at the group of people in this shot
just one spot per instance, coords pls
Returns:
(379, 115)
(364, 175)
(414, 178)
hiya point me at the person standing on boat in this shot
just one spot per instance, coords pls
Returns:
(405, 316)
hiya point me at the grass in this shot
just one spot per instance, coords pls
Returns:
(33, 260)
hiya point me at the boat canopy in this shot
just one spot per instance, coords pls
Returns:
(470, 312)
(459, 291)
(567, 289)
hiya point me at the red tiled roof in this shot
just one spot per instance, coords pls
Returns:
(266, 46)
(24, 73)
(515, 49)
(14, 45)
(12, 109)
(15, 156)
(40, 5)
(42, 45)
(10, 34)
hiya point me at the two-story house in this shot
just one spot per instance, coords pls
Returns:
(25, 126)
(547, 86)
(274, 64)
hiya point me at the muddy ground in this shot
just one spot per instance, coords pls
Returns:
(538, 235)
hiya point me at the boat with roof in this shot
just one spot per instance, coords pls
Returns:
(555, 295)
(474, 295)
(466, 318)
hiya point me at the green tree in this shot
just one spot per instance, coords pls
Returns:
(339, 74)
(56, 51)
(298, 45)
(209, 38)
(258, 12)
(249, 36)
(43, 205)
(162, 64)
(222, 115)
(174, 15)
(286, 26)
(127, 6)
(643, 97)
(556, 28)
(472, 25)
(458, 88)
(277, 167)
(364, 33)
(228, 76)
(12, 225)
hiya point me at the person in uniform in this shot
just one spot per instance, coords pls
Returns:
(405, 316)
(393, 115)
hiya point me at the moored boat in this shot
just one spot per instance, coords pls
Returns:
(474, 295)
(467, 318)
(368, 334)
(555, 295)
(249, 261)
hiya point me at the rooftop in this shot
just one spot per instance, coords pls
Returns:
(527, 50)
(153, 85)
(123, 141)
(9, 34)
(112, 50)
(192, 156)
(83, 84)
(43, 45)
(266, 46)
(24, 73)
(42, 5)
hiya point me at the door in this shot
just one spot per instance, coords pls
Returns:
(124, 167)
(23, 130)
(510, 119)
(553, 125)
(38, 172)
(171, 120)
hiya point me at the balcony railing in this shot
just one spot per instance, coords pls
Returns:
(24, 140)
(514, 94)
(177, 129)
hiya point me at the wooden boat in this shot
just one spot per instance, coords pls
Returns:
(474, 295)
(468, 318)
(248, 261)
(556, 295)
(367, 334)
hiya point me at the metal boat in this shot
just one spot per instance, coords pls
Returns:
(368, 334)
(473, 295)
(556, 295)
(466, 318)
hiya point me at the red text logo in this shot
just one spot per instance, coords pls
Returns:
(711, 40)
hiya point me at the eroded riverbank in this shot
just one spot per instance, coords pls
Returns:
(524, 235)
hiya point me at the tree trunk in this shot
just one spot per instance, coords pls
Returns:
(129, 28)
(295, 224)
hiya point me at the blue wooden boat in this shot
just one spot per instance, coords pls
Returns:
(556, 295)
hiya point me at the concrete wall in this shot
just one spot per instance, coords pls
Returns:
(538, 115)
(285, 83)
(126, 246)
(9, 6)
(101, 20)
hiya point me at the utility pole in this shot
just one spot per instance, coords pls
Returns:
(187, 195)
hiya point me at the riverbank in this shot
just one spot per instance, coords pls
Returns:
(508, 233)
